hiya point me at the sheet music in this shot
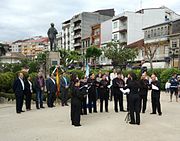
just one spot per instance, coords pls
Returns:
(154, 87)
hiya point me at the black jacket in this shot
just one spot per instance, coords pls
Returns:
(50, 86)
(17, 87)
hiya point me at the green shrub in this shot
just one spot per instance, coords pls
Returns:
(80, 73)
(6, 81)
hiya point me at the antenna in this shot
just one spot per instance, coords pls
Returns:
(140, 4)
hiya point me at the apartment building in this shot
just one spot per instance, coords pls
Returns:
(127, 27)
(79, 27)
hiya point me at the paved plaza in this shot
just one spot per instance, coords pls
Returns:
(54, 125)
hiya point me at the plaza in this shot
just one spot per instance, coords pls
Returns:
(53, 124)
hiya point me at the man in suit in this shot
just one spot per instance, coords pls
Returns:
(155, 95)
(64, 87)
(118, 83)
(18, 88)
(51, 87)
(39, 87)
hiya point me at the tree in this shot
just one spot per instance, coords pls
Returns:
(119, 53)
(150, 50)
(69, 57)
(93, 52)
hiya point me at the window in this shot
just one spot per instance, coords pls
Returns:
(115, 25)
(158, 32)
(174, 44)
(151, 32)
(162, 30)
(155, 33)
(148, 35)
(115, 37)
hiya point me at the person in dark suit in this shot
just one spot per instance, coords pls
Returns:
(84, 91)
(18, 88)
(92, 98)
(155, 95)
(143, 92)
(28, 92)
(39, 87)
(51, 87)
(64, 88)
(134, 87)
(76, 101)
(118, 95)
(104, 93)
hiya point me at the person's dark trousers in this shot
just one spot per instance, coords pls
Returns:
(104, 97)
(116, 99)
(84, 106)
(64, 94)
(112, 94)
(134, 108)
(28, 101)
(156, 103)
(19, 101)
(22, 101)
(39, 99)
(50, 99)
(75, 113)
(127, 99)
(92, 100)
(121, 101)
(143, 102)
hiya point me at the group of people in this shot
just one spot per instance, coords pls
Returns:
(86, 92)
(24, 87)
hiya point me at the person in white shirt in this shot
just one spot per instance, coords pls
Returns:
(112, 76)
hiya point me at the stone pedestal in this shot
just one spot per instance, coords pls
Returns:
(53, 58)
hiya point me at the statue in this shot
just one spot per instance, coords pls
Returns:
(52, 37)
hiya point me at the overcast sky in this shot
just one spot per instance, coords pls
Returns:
(20, 19)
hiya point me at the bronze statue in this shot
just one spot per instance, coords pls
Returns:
(52, 37)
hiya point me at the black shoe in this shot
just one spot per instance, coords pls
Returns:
(78, 125)
(116, 111)
(160, 114)
(143, 112)
(152, 113)
(18, 112)
(131, 123)
(95, 111)
(138, 123)
(37, 108)
(22, 111)
(122, 110)
(42, 107)
(66, 105)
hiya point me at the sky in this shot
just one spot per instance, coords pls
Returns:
(20, 19)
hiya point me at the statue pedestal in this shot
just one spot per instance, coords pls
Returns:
(53, 58)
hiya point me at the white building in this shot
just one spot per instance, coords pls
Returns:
(127, 27)
(106, 37)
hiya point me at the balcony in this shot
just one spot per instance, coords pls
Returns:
(123, 28)
(77, 35)
(78, 27)
(78, 44)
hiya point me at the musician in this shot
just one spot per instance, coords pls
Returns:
(92, 93)
(84, 91)
(104, 93)
(134, 86)
(118, 83)
(155, 95)
(143, 92)
(76, 104)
